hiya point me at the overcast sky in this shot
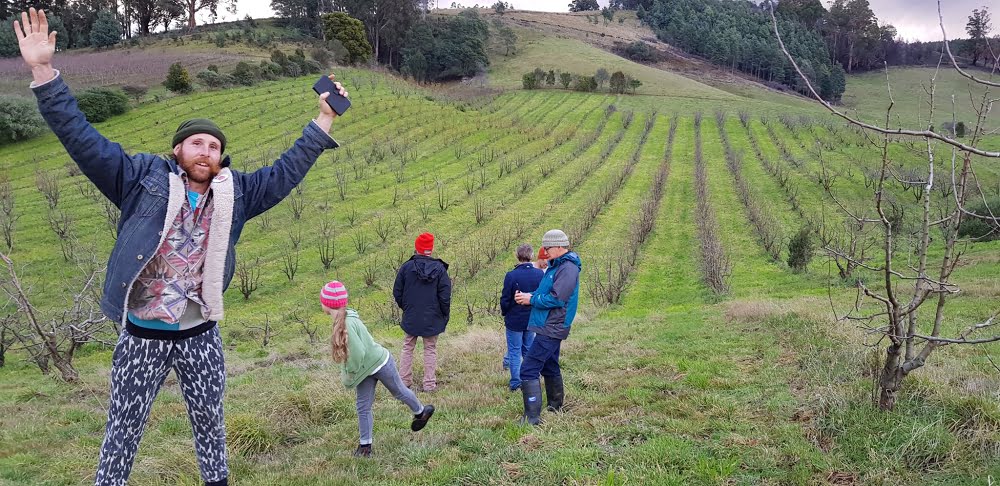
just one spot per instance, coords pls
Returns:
(918, 19)
(914, 19)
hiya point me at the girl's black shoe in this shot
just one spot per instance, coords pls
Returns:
(363, 450)
(420, 420)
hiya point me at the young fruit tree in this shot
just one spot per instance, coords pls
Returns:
(54, 337)
(904, 299)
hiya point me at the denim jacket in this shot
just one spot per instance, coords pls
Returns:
(148, 190)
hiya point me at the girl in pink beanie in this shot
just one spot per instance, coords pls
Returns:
(363, 363)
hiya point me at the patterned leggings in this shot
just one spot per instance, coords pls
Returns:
(138, 369)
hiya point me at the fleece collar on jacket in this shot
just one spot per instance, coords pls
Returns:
(218, 233)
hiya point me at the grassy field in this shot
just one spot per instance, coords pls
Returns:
(570, 55)
(673, 385)
(867, 94)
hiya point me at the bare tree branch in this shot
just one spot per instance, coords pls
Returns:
(947, 48)
(964, 337)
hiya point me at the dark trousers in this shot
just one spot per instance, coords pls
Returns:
(542, 358)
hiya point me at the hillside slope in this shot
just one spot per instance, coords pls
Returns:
(672, 385)
(554, 30)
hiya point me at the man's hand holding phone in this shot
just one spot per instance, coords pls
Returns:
(523, 298)
(333, 101)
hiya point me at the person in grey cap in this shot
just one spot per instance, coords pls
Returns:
(553, 306)
(181, 216)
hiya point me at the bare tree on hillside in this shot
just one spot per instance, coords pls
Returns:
(900, 290)
(54, 337)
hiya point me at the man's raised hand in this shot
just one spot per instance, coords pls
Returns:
(37, 44)
(326, 114)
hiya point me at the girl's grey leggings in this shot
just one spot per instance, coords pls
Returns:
(389, 377)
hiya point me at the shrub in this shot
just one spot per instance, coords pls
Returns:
(565, 79)
(135, 92)
(311, 67)
(213, 79)
(292, 70)
(539, 76)
(800, 249)
(264, 40)
(19, 119)
(342, 56)
(634, 84)
(639, 51)
(246, 74)
(279, 57)
(178, 79)
(618, 83)
(270, 71)
(586, 83)
(324, 57)
(528, 81)
(99, 104)
(974, 227)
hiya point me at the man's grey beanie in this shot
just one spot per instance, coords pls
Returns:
(555, 238)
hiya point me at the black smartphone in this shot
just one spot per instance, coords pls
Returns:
(337, 103)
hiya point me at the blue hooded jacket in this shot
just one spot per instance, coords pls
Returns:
(553, 304)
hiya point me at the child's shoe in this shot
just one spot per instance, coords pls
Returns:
(363, 450)
(420, 420)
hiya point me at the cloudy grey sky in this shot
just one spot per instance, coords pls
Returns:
(914, 19)
(918, 19)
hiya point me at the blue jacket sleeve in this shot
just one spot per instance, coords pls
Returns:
(506, 296)
(563, 284)
(104, 162)
(267, 186)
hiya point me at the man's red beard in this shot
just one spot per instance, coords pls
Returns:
(199, 169)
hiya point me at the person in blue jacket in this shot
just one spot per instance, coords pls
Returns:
(525, 278)
(553, 307)
(181, 216)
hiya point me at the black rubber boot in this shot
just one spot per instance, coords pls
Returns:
(531, 390)
(554, 393)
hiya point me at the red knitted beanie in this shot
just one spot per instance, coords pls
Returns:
(424, 244)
